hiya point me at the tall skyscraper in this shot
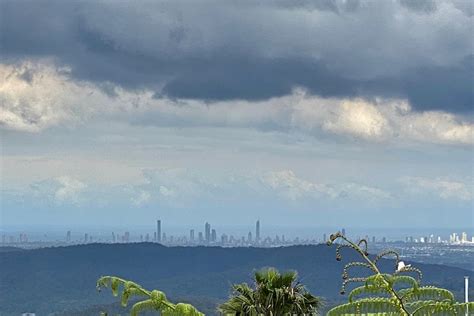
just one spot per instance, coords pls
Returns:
(213, 235)
(191, 235)
(158, 231)
(68, 236)
(257, 231)
(207, 232)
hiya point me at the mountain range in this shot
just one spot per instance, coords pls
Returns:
(61, 280)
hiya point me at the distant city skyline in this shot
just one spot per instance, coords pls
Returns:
(209, 236)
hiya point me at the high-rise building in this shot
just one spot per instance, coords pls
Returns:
(257, 231)
(113, 237)
(158, 231)
(463, 237)
(325, 238)
(249, 237)
(224, 239)
(207, 232)
(86, 238)
(213, 235)
(200, 238)
(191, 235)
(68, 236)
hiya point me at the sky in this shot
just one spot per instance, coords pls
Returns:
(300, 113)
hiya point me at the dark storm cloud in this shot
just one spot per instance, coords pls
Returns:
(424, 6)
(218, 51)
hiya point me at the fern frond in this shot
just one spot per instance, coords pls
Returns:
(387, 253)
(350, 280)
(464, 308)
(146, 305)
(368, 305)
(357, 264)
(156, 300)
(366, 290)
(364, 241)
(182, 309)
(404, 279)
(410, 269)
(114, 285)
(103, 282)
(426, 293)
(339, 248)
(417, 304)
(433, 308)
(378, 279)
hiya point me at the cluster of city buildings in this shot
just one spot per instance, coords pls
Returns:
(209, 237)
(454, 239)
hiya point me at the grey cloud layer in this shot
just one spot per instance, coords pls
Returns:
(223, 50)
(38, 96)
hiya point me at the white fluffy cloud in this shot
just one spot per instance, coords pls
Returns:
(34, 96)
(60, 190)
(37, 96)
(443, 188)
(286, 183)
(142, 198)
(289, 185)
(178, 187)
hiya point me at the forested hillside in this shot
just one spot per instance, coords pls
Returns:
(62, 280)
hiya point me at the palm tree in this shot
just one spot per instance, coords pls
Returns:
(275, 294)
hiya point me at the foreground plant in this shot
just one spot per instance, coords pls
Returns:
(152, 300)
(390, 294)
(275, 294)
